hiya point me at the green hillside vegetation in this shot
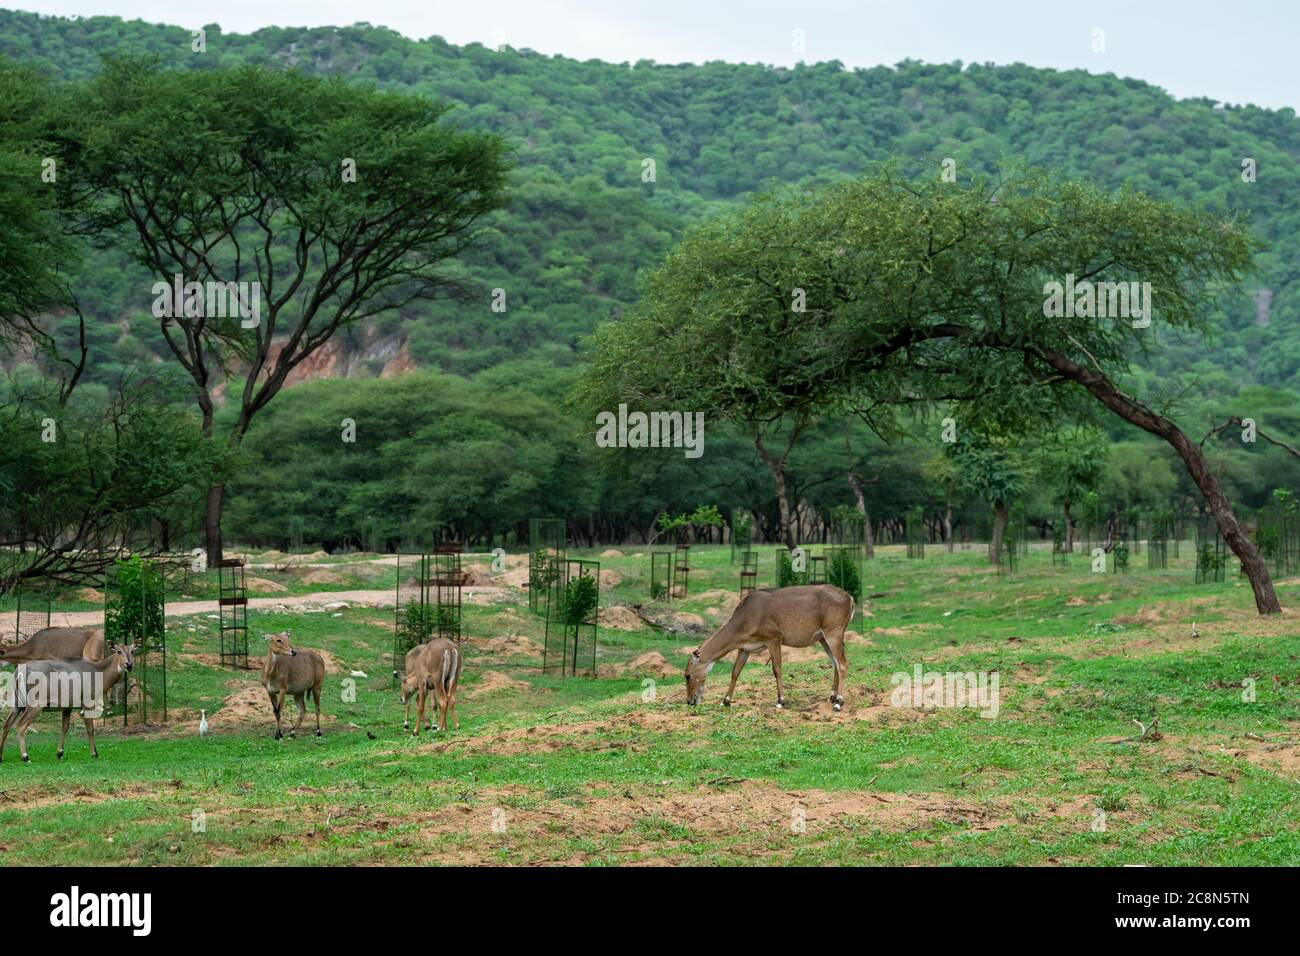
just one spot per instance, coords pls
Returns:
(583, 226)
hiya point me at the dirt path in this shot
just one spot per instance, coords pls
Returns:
(297, 602)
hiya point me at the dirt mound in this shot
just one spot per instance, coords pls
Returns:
(650, 664)
(477, 577)
(90, 596)
(494, 682)
(313, 556)
(245, 706)
(322, 576)
(264, 585)
(512, 645)
(621, 618)
(610, 579)
(688, 621)
(611, 553)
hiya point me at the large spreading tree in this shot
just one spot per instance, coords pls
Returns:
(338, 200)
(918, 290)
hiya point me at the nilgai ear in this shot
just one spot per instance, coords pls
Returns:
(696, 653)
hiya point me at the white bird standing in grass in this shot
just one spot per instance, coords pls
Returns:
(203, 723)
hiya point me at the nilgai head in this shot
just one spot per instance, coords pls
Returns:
(280, 644)
(126, 652)
(410, 684)
(696, 672)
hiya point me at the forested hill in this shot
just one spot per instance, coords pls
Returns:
(584, 221)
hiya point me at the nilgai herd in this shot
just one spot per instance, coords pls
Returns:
(67, 669)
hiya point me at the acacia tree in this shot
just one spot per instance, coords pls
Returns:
(339, 201)
(921, 290)
(723, 328)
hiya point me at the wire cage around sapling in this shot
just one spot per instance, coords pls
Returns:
(135, 613)
(572, 612)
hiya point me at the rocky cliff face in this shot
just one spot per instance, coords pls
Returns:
(354, 354)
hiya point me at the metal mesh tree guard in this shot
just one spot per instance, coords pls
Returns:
(572, 610)
(848, 527)
(1277, 535)
(428, 601)
(1211, 553)
(748, 571)
(817, 569)
(844, 569)
(548, 540)
(1119, 553)
(1130, 523)
(682, 570)
(33, 603)
(135, 612)
(916, 533)
(444, 590)
(1020, 523)
(295, 534)
(786, 575)
(232, 612)
(742, 534)
(1060, 558)
(1009, 551)
(661, 575)
(1160, 525)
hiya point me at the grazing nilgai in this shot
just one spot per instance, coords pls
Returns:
(72, 683)
(55, 643)
(288, 671)
(768, 619)
(434, 666)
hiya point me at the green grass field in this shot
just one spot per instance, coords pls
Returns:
(616, 769)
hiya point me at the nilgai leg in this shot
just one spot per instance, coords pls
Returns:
(63, 733)
(316, 695)
(742, 656)
(834, 649)
(774, 649)
(9, 722)
(300, 700)
(277, 700)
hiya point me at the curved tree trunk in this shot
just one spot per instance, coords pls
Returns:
(1127, 408)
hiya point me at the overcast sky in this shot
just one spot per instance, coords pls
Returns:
(1237, 52)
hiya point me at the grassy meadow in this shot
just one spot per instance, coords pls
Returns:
(617, 769)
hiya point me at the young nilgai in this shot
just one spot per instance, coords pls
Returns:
(434, 666)
(289, 671)
(769, 619)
